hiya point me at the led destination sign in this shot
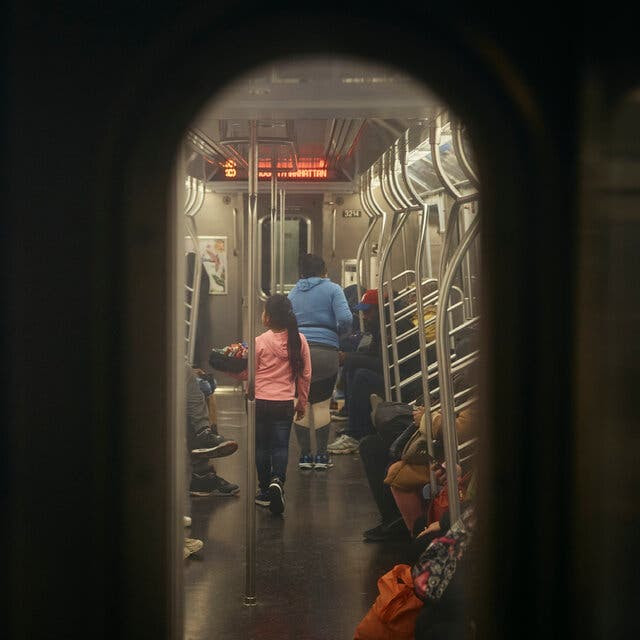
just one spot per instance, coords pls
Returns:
(306, 169)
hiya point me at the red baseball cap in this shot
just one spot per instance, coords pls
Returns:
(369, 299)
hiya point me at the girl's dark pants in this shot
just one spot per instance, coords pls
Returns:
(273, 427)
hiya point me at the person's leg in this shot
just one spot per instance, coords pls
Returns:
(280, 433)
(302, 436)
(365, 382)
(410, 504)
(197, 410)
(264, 434)
(375, 457)
(213, 412)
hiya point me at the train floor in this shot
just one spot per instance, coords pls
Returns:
(315, 576)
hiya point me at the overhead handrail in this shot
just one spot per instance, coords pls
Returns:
(444, 365)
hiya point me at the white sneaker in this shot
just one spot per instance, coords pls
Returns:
(192, 545)
(344, 444)
(187, 521)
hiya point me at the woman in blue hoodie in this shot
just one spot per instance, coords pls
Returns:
(323, 314)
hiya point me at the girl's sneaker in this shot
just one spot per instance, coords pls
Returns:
(305, 462)
(322, 461)
(262, 499)
(276, 495)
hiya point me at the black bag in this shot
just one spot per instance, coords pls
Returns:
(398, 445)
(220, 362)
(391, 419)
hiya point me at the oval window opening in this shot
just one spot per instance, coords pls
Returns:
(337, 199)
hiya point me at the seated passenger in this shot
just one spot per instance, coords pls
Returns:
(407, 478)
(362, 374)
(204, 443)
(374, 453)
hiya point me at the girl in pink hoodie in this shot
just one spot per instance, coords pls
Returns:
(283, 371)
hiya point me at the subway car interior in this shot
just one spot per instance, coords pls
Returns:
(321, 323)
(361, 166)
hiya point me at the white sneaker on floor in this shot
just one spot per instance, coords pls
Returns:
(344, 444)
(192, 545)
(187, 521)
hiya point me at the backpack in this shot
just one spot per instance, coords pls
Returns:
(390, 419)
(393, 615)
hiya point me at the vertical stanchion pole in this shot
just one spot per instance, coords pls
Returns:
(250, 512)
(282, 219)
(274, 214)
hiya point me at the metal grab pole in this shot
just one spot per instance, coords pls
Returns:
(383, 325)
(250, 511)
(274, 214)
(424, 361)
(404, 202)
(461, 155)
(361, 247)
(444, 369)
(451, 227)
(281, 252)
(403, 147)
(423, 243)
(434, 142)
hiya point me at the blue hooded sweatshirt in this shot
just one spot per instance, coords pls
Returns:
(321, 310)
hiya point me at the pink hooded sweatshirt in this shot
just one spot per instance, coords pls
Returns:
(273, 373)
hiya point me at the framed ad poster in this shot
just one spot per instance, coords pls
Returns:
(213, 253)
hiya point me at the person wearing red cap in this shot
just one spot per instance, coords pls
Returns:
(362, 375)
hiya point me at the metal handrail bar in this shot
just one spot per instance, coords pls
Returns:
(383, 333)
(444, 361)
(404, 170)
(458, 148)
(273, 214)
(363, 243)
(460, 407)
(410, 332)
(435, 130)
(250, 523)
(401, 197)
(405, 312)
(450, 227)
(189, 191)
(420, 306)
(394, 205)
(397, 277)
(467, 443)
(281, 234)
(381, 253)
(192, 195)
(430, 344)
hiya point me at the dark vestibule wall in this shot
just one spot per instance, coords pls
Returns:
(96, 100)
